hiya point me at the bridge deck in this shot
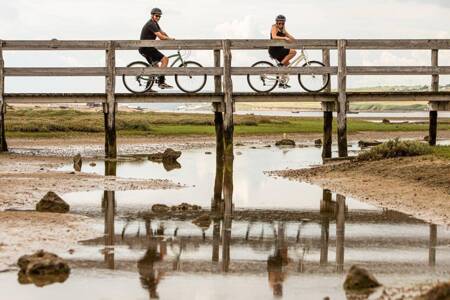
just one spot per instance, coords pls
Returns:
(218, 97)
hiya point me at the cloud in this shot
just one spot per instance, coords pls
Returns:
(245, 28)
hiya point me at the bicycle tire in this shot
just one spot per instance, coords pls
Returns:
(325, 84)
(262, 62)
(149, 82)
(186, 64)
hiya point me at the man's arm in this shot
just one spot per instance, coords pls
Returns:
(291, 38)
(163, 36)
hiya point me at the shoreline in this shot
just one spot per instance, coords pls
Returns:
(418, 186)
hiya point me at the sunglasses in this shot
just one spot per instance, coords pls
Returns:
(280, 23)
(158, 16)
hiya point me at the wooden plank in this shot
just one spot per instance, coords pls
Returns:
(284, 71)
(342, 100)
(170, 44)
(85, 71)
(30, 45)
(3, 144)
(297, 44)
(110, 105)
(170, 98)
(239, 44)
(382, 44)
(397, 96)
(212, 71)
(395, 70)
(284, 97)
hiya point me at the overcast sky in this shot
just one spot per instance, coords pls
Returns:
(118, 19)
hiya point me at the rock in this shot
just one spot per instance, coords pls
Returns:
(77, 162)
(285, 142)
(426, 138)
(239, 144)
(439, 292)
(171, 165)
(360, 279)
(42, 268)
(386, 121)
(268, 146)
(92, 164)
(160, 208)
(169, 155)
(368, 143)
(238, 153)
(203, 221)
(51, 202)
(208, 152)
(253, 147)
(186, 207)
(318, 142)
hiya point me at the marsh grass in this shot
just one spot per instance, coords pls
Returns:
(55, 122)
(395, 148)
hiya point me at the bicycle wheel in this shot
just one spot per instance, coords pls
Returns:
(190, 83)
(262, 83)
(138, 84)
(313, 83)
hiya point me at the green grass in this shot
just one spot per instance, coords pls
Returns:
(73, 123)
(442, 151)
(395, 148)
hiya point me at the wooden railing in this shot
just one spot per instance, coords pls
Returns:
(224, 96)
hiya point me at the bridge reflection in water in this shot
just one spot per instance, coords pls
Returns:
(279, 247)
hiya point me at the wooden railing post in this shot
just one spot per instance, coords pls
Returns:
(110, 107)
(228, 150)
(327, 109)
(433, 110)
(342, 99)
(3, 145)
(219, 128)
(432, 245)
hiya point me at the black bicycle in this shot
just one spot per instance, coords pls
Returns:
(139, 84)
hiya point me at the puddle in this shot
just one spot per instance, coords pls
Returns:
(284, 239)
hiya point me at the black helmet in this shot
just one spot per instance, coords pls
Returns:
(156, 11)
(280, 18)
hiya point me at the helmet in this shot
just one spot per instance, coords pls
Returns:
(280, 18)
(156, 11)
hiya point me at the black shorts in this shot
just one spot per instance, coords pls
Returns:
(151, 54)
(278, 53)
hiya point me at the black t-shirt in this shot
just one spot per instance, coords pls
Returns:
(149, 29)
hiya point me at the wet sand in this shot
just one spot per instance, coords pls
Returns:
(419, 186)
(26, 232)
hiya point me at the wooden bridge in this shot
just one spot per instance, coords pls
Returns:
(224, 97)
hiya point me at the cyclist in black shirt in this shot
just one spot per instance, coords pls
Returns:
(151, 31)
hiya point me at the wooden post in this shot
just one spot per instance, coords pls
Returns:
(219, 128)
(109, 199)
(432, 245)
(109, 107)
(435, 88)
(3, 145)
(340, 232)
(342, 99)
(327, 112)
(228, 155)
(325, 213)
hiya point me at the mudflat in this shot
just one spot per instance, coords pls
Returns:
(419, 186)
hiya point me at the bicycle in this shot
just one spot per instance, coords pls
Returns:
(267, 82)
(142, 83)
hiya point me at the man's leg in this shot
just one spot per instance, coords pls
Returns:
(163, 64)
